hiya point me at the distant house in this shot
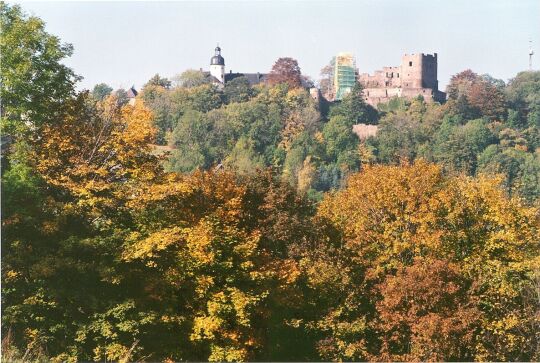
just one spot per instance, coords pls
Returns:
(132, 94)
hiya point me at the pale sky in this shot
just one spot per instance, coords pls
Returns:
(126, 43)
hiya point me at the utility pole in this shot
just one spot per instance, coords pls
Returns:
(531, 53)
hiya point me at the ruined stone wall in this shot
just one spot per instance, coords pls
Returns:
(387, 77)
(416, 75)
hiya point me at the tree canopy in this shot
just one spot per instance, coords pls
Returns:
(261, 228)
(285, 70)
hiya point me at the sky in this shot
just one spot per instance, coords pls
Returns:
(126, 43)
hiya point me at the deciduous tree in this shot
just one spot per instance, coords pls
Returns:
(285, 70)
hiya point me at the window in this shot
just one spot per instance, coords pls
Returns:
(397, 75)
(410, 64)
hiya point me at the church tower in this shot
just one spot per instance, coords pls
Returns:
(217, 65)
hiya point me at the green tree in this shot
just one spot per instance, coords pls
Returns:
(35, 82)
(398, 138)
(354, 107)
(158, 99)
(243, 158)
(191, 78)
(458, 147)
(523, 94)
(156, 80)
(520, 169)
(121, 97)
(238, 90)
(341, 143)
(101, 90)
(189, 142)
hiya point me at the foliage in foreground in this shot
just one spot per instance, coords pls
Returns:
(108, 257)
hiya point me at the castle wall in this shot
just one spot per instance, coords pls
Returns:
(429, 72)
(416, 75)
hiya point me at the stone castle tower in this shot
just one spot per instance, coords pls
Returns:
(419, 71)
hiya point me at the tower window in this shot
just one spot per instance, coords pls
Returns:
(410, 64)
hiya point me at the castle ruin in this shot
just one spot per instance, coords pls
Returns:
(416, 76)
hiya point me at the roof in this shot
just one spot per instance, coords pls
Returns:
(132, 92)
(217, 60)
(213, 79)
(253, 78)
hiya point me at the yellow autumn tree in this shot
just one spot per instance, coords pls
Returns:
(219, 249)
(96, 148)
(388, 216)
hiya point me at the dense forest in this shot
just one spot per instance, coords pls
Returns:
(252, 224)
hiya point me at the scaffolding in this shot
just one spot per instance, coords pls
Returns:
(344, 74)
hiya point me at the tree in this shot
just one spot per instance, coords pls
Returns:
(341, 143)
(326, 83)
(523, 94)
(156, 80)
(101, 91)
(232, 263)
(458, 147)
(203, 98)
(398, 138)
(158, 99)
(354, 107)
(31, 56)
(189, 142)
(285, 70)
(243, 158)
(481, 93)
(99, 147)
(460, 83)
(60, 267)
(191, 78)
(427, 313)
(121, 97)
(520, 170)
(459, 240)
(238, 90)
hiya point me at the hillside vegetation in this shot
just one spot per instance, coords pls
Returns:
(266, 230)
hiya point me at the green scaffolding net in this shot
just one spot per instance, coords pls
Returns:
(344, 75)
